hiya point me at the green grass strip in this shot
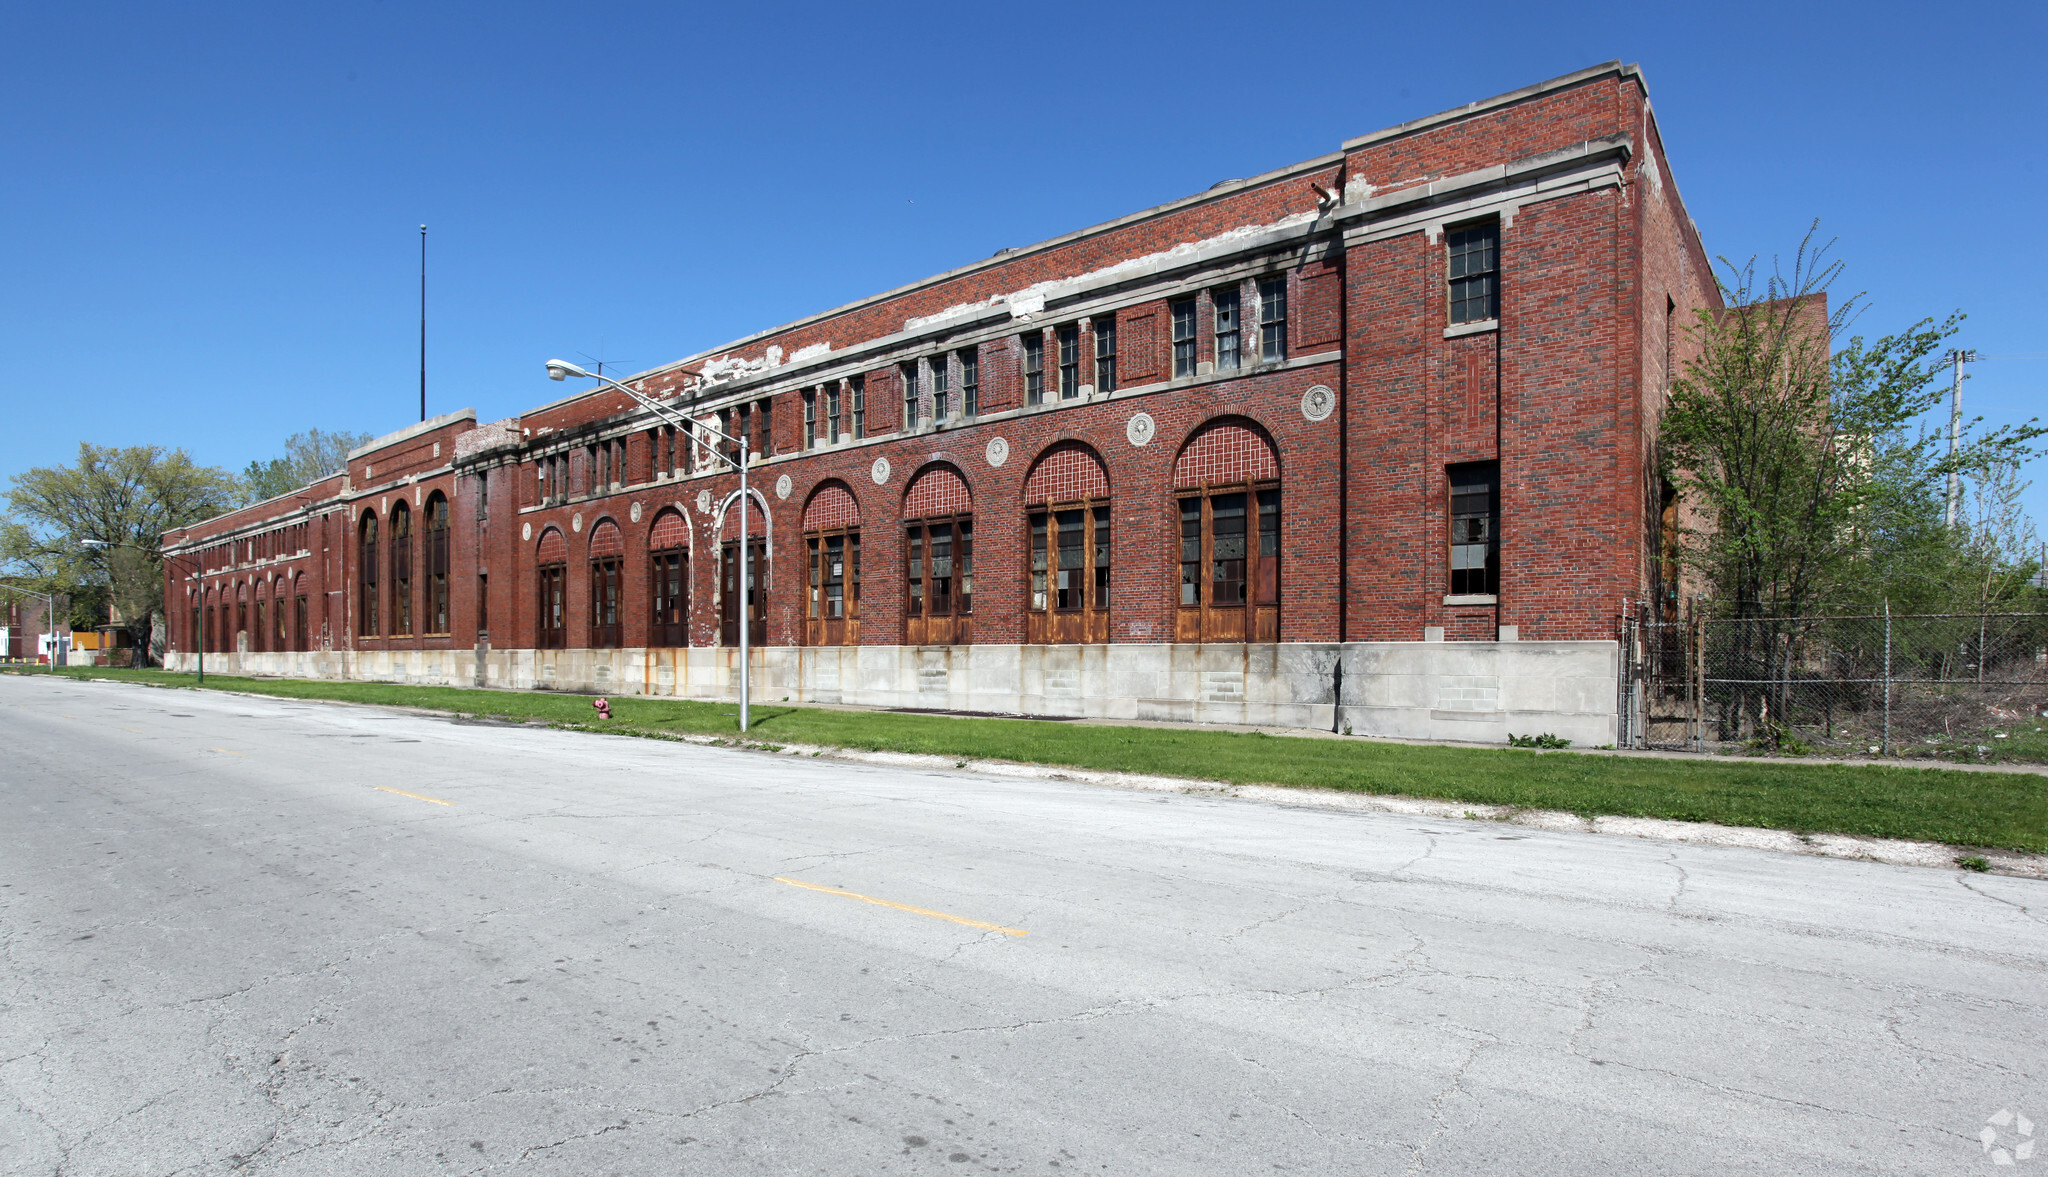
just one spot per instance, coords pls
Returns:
(2003, 810)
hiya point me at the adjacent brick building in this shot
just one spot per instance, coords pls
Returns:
(1393, 409)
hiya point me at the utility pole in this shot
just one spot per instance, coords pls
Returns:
(1956, 359)
(423, 322)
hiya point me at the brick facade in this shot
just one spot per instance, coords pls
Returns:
(1378, 394)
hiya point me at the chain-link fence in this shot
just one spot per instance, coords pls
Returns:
(1952, 686)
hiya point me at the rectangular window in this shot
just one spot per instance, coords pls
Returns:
(483, 603)
(1105, 354)
(1191, 551)
(939, 390)
(1034, 368)
(1068, 587)
(1070, 361)
(1038, 560)
(858, 389)
(483, 498)
(1227, 328)
(1475, 528)
(1101, 557)
(729, 446)
(1227, 554)
(764, 426)
(834, 429)
(746, 430)
(970, 382)
(811, 419)
(1273, 318)
(1474, 272)
(1268, 591)
(909, 374)
(1184, 337)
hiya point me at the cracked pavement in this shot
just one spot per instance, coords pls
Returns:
(224, 950)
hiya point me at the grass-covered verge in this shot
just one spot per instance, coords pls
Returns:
(2004, 810)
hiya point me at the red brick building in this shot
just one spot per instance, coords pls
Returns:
(1393, 409)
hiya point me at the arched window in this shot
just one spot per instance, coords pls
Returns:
(938, 559)
(729, 565)
(259, 633)
(668, 558)
(1066, 497)
(437, 563)
(241, 617)
(552, 573)
(1227, 482)
(192, 607)
(832, 547)
(299, 618)
(280, 619)
(366, 565)
(607, 583)
(401, 570)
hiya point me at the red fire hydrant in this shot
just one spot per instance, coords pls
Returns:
(604, 707)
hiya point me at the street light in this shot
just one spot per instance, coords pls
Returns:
(49, 617)
(562, 369)
(201, 611)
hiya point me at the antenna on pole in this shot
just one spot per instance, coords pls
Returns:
(423, 322)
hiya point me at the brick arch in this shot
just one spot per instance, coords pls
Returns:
(1067, 471)
(552, 548)
(758, 521)
(1230, 449)
(605, 539)
(831, 505)
(669, 531)
(241, 591)
(937, 489)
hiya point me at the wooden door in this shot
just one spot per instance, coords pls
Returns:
(729, 593)
(832, 611)
(1070, 581)
(669, 589)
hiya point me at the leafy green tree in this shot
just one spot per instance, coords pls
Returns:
(308, 458)
(1802, 455)
(121, 498)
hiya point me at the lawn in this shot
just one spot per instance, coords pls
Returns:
(2003, 810)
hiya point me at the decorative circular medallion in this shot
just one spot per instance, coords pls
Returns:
(783, 487)
(998, 451)
(576, 522)
(635, 512)
(525, 532)
(879, 471)
(1318, 402)
(703, 502)
(1139, 429)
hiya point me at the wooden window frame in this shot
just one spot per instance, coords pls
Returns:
(1255, 617)
(1227, 301)
(440, 619)
(668, 618)
(1068, 336)
(1272, 318)
(1032, 348)
(1183, 314)
(1467, 268)
(970, 381)
(1046, 620)
(925, 625)
(1104, 330)
(820, 628)
(368, 590)
(401, 570)
(553, 608)
(607, 601)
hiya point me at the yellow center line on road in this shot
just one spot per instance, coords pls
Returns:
(137, 731)
(243, 755)
(937, 915)
(414, 796)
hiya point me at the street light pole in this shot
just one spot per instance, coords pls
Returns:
(560, 369)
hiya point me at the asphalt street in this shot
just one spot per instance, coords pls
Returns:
(258, 936)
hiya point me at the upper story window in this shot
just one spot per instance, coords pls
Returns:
(1034, 368)
(1183, 312)
(1228, 328)
(1475, 528)
(857, 391)
(1474, 254)
(970, 381)
(1273, 318)
(1070, 361)
(1105, 354)
(811, 418)
(940, 408)
(910, 413)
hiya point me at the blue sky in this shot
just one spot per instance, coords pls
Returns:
(212, 211)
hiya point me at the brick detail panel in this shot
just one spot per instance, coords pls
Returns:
(1066, 472)
(831, 506)
(669, 531)
(1225, 452)
(606, 541)
(554, 548)
(939, 490)
(1317, 320)
(1138, 347)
